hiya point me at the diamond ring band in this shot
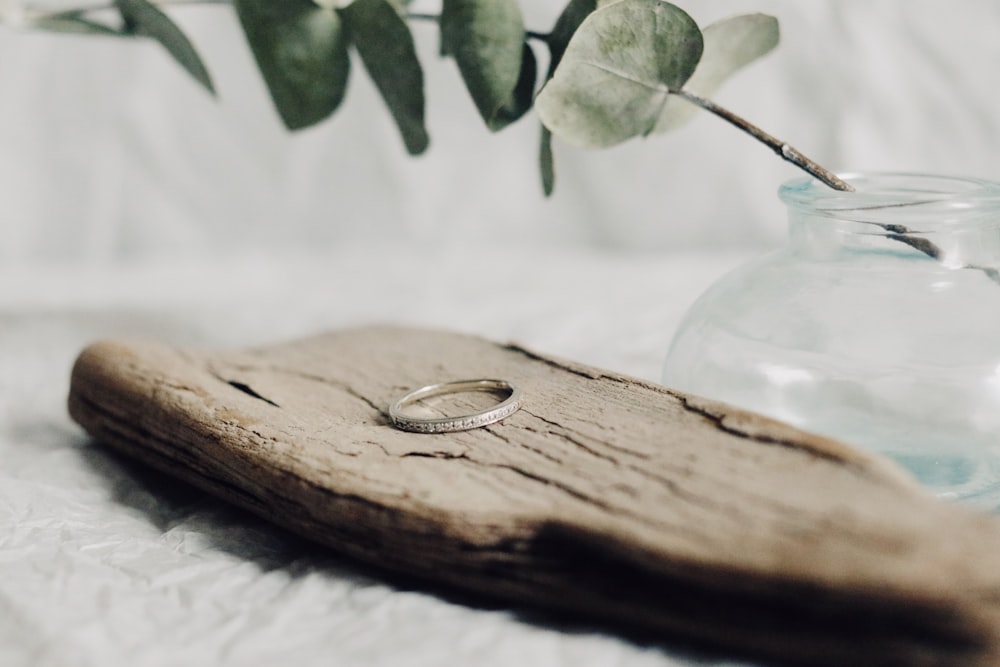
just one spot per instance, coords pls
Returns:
(407, 422)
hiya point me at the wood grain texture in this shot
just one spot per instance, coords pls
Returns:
(604, 495)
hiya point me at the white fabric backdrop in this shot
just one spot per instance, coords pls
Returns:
(108, 150)
(133, 204)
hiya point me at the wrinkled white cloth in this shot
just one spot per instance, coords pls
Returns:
(105, 563)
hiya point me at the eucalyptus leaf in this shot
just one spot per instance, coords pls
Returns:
(730, 45)
(74, 25)
(569, 20)
(301, 51)
(487, 40)
(566, 25)
(524, 91)
(547, 162)
(144, 18)
(384, 42)
(617, 72)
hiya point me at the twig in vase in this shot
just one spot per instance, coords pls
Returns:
(785, 151)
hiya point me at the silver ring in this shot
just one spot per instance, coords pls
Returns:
(462, 422)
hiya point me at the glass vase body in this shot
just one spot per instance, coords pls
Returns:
(878, 324)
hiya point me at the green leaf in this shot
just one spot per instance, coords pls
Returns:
(547, 162)
(566, 25)
(524, 91)
(730, 45)
(74, 25)
(384, 42)
(569, 20)
(617, 72)
(301, 51)
(144, 18)
(486, 37)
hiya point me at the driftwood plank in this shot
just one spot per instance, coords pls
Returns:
(604, 495)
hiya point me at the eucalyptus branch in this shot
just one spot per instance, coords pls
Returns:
(785, 151)
(895, 232)
(303, 52)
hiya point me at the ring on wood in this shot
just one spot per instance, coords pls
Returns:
(461, 422)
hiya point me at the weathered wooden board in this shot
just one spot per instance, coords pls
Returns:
(604, 495)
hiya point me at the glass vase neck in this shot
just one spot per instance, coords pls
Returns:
(953, 220)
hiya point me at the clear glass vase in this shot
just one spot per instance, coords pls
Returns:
(878, 324)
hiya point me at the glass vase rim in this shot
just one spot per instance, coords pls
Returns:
(884, 195)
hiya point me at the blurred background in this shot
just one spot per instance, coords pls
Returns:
(109, 152)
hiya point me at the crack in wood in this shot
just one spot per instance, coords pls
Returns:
(569, 368)
(444, 456)
(566, 430)
(312, 377)
(248, 390)
(718, 419)
(551, 483)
